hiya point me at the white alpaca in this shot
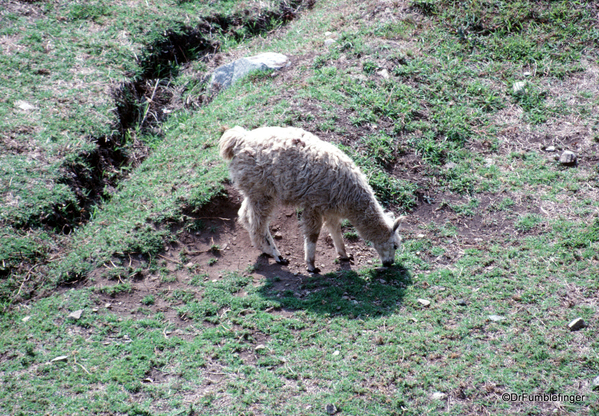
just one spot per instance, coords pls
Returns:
(276, 165)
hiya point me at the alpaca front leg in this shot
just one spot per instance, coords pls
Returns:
(334, 227)
(311, 224)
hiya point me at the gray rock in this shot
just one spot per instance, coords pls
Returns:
(330, 408)
(576, 324)
(424, 302)
(329, 42)
(595, 384)
(461, 302)
(568, 158)
(224, 76)
(496, 318)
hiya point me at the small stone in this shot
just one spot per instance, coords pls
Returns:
(496, 318)
(550, 149)
(107, 305)
(327, 34)
(450, 165)
(336, 353)
(527, 74)
(260, 347)
(576, 324)
(424, 302)
(278, 236)
(59, 358)
(438, 395)
(383, 73)
(595, 384)
(24, 105)
(517, 298)
(568, 158)
(25, 319)
(331, 409)
(329, 42)
(189, 265)
(519, 87)
(76, 314)
(461, 302)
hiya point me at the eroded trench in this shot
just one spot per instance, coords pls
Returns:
(145, 101)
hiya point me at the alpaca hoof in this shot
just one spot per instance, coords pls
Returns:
(315, 270)
(349, 258)
(283, 261)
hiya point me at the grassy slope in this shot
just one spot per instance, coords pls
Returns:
(362, 340)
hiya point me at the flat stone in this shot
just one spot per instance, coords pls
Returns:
(438, 395)
(550, 149)
(576, 324)
(24, 105)
(75, 314)
(496, 318)
(59, 358)
(329, 42)
(424, 302)
(224, 76)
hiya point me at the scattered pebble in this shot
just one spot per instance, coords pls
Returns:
(461, 302)
(568, 158)
(107, 305)
(278, 236)
(450, 165)
(76, 314)
(424, 302)
(260, 347)
(59, 358)
(595, 384)
(189, 265)
(25, 319)
(336, 353)
(550, 149)
(438, 395)
(576, 324)
(329, 42)
(331, 409)
(496, 318)
(24, 105)
(383, 73)
(519, 87)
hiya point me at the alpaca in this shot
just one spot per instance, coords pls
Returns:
(290, 166)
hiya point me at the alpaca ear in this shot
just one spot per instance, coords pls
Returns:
(396, 223)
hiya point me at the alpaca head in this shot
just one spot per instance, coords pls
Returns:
(386, 248)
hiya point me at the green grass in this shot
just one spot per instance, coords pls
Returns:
(360, 339)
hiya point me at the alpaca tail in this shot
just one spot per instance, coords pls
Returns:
(229, 140)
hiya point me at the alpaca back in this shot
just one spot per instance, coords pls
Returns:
(294, 167)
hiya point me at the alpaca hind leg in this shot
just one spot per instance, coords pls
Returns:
(311, 225)
(256, 214)
(334, 227)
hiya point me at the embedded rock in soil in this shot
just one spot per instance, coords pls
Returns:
(224, 76)
(568, 158)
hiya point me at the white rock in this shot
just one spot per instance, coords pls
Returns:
(424, 302)
(59, 358)
(25, 319)
(329, 42)
(383, 73)
(595, 384)
(76, 314)
(519, 87)
(496, 318)
(336, 353)
(438, 395)
(24, 105)
(550, 149)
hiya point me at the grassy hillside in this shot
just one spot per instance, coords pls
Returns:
(457, 111)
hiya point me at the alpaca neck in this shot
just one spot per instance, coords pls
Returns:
(369, 219)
